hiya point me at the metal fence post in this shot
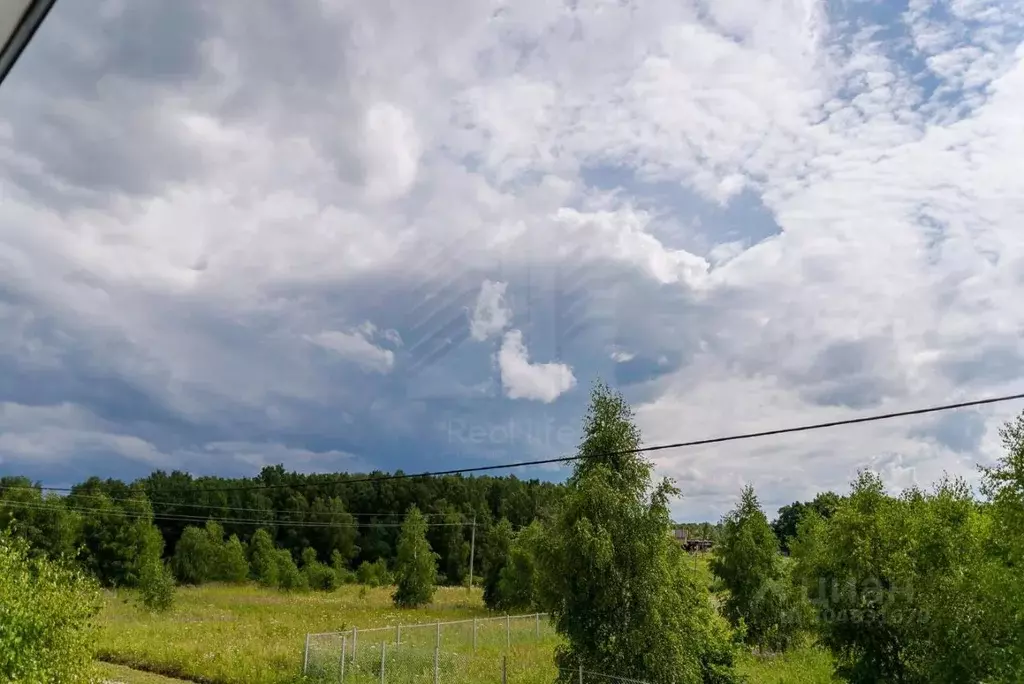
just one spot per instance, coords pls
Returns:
(436, 672)
(383, 645)
(581, 674)
(344, 648)
(398, 635)
(474, 634)
(355, 634)
(437, 640)
(538, 625)
(305, 656)
(508, 631)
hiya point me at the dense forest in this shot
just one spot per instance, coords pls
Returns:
(357, 516)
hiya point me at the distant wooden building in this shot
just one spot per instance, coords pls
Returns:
(682, 538)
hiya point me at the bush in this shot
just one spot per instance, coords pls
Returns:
(317, 575)
(263, 559)
(46, 612)
(156, 585)
(231, 565)
(341, 569)
(374, 574)
(517, 579)
(288, 576)
(194, 557)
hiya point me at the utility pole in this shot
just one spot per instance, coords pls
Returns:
(472, 552)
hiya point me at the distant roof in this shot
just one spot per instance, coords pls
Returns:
(19, 20)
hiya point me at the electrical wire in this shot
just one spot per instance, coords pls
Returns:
(31, 505)
(609, 454)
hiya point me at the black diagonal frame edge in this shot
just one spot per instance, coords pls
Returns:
(21, 36)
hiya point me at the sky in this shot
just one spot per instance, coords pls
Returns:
(346, 236)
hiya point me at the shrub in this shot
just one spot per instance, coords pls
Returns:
(341, 569)
(288, 576)
(194, 557)
(232, 566)
(156, 585)
(317, 575)
(374, 574)
(46, 612)
(263, 559)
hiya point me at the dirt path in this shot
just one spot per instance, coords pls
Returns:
(119, 674)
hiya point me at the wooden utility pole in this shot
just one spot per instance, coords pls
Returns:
(472, 553)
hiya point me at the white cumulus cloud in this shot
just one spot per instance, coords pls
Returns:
(521, 379)
(490, 314)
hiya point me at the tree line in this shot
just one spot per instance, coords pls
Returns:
(349, 521)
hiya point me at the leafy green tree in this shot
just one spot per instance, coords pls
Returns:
(156, 585)
(517, 583)
(416, 566)
(232, 566)
(790, 516)
(374, 574)
(746, 560)
(906, 587)
(1003, 487)
(497, 549)
(117, 532)
(785, 525)
(195, 557)
(43, 521)
(617, 587)
(340, 566)
(46, 617)
(318, 576)
(289, 578)
(263, 559)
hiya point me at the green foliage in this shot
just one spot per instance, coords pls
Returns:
(617, 587)
(318, 576)
(288, 576)
(416, 566)
(340, 566)
(156, 585)
(517, 583)
(202, 555)
(46, 617)
(907, 588)
(232, 566)
(374, 574)
(263, 559)
(43, 521)
(118, 532)
(746, 560)
(496, 554)
(790, 516)
(194, 557)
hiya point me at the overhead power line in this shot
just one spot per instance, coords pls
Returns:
(31, 505)
(608, 454)
(223, 507)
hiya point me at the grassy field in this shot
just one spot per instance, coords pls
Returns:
(253, 635)
(250, 635)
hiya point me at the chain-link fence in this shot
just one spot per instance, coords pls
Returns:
(482, 649)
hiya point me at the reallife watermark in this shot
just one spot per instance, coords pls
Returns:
(543, 432)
